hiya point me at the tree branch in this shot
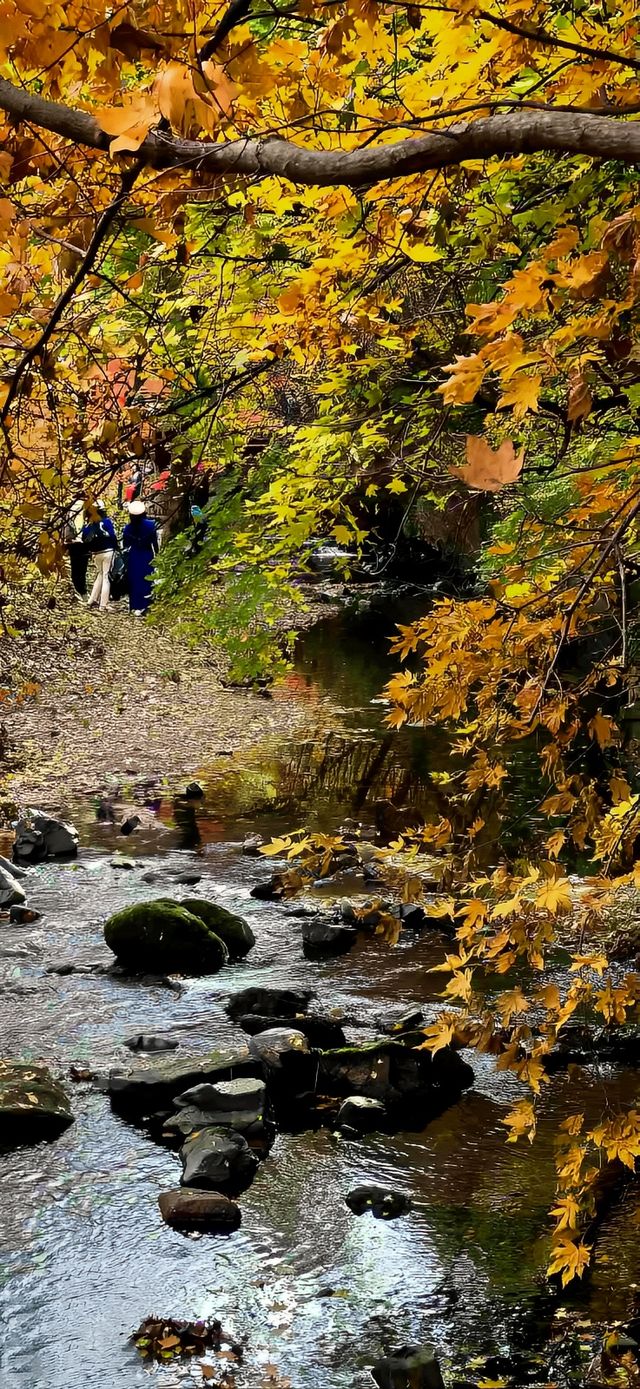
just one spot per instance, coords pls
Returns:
(520, 132)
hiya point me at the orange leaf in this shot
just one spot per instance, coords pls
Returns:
(487, 470)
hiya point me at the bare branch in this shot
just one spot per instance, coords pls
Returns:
(518, 132)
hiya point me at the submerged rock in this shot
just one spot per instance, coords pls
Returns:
(233, 930)
(409, 1368)
(252, 845)
(20, 915)
(395, 1074)
(217, 1158)
(163, 935)
(12, 892)
(273, 889)
(40, 836)
(199, 1210)
(322, 939)
(33, 1105)
(383, 1203)
(148, 1042)
(269, 1003)
(360, 1114)
(142, 1089)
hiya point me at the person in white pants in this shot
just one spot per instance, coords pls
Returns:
(101, 591)
(100, 539)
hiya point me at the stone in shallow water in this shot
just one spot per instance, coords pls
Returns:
(362, 1114)
(144, 1088)
(217, 1158)
(20, 915)
(237, 1094)
(33, 1105)
(396, 1074)
(409, 1368)
(383, 1203)
(12, 892)
(40, 836)
(269, 1003)
(322, 939)
(199, 1210)
(233, 930)
(164, 935)
(145, 1041)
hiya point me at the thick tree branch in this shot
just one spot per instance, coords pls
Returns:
(517, 132)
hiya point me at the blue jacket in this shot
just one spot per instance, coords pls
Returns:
(100, 535)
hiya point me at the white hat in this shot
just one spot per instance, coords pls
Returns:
(137, 508)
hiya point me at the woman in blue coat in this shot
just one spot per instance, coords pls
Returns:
(140, 541)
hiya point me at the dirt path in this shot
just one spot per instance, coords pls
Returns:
(113, 695)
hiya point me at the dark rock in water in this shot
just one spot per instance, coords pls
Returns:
(407, 1023)
(383, 1203)
(361, 1115)
(247, 1093)
(581, 1045)
(40, 836)
(289, 1066)
(272, 1047)
(321, 939)
(121, 862)
(365, 916)
(151, 877)
(217, 1158)
(414, 917)
(161, 935)
(319, 1032)
(188, 878)
(395, 1074)
(199, 1210)
(233, 930)
(272, 890)
(148, 1042)
(391, 820)
(409, 1368)
(269, 1003)
(105, 813)
(131, 824)
(144, 1088)
(234, 1104)
(33, 1106)
(252, 845)
(20, 915)
(194, 791)
(12, 892)
(14, 868)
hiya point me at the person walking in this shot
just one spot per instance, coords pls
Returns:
(76, 549)
(99, 536)
(140, 543)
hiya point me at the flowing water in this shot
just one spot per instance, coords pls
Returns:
(313, 1291)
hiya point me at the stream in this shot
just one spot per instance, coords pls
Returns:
(311, 1289)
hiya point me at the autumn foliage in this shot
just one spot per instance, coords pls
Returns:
(401, 243)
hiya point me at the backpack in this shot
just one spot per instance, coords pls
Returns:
(118, 576)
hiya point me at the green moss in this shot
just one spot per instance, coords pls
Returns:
(233, 930)
(161, 935)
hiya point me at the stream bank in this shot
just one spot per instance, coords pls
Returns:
(312, 1289)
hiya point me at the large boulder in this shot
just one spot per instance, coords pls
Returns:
(409, 1368)
(289, 1066)
(33, 1105)
(269, 1003)
(12, 892)
(199, 1210)
(233, 930)
(14, 869)
(217, 1158)
(395, 1074)
(162, 935)
(144, 1088)
(40, 836)
(273, 1047)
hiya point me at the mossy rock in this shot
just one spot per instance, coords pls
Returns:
(157, 936)
(33, 1106)
(233, 930)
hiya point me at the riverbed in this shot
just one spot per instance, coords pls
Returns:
(313, 1291)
